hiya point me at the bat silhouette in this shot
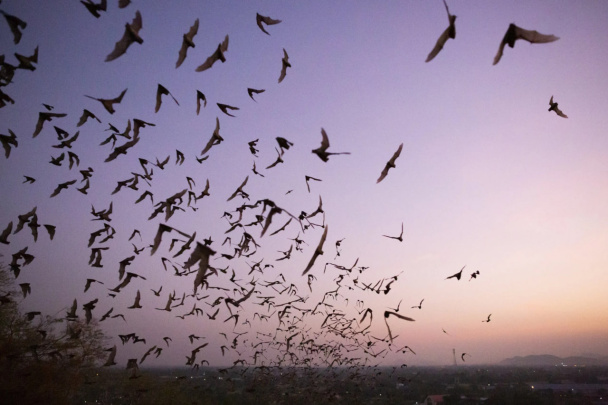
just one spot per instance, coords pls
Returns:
(399, 238)
(386, 316)
(226, 107)
(318, 251)
(285, 64)
(450, 32)
(457, 275)
(26, 62)
(553, 107)
(215, 139)
(322, 150)
(390, 164)
(160, 91)
(187, 42)
(43, 117)
(62, 186)
(108, 104)
(130, 35)
(86, 114)
(514, 33)
(217, 55)
(200, 96)
(8, 141)
(16, 25)
(251, 92)
(95, 8)
(259, 19)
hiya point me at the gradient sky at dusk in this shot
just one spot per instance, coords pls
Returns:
(487, 178)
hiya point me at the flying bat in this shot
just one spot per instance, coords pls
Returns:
(239, 190)
(215, 139)
(390, 163)
(553, 107)
(307, 178)
(187, 42)
(285, 64)
(62, 186)
(16, 25)
(318, 251)
(45, 116)
(27, 62)
(389, 313)
(86, 114)
(217, 55)
(450, 32)
(514, 33)
(160, 91)
(122, 149)
(108, 104)
(226, 107)
(95, 8)
(259, 19)
(399, 238)
(457, 275)
(5, 233)
(200, 96)
(131, 35)
(7, 141)
(322, 150)
(251, 91)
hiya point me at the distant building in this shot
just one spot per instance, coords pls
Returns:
(434, 399)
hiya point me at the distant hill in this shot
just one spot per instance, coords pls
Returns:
(550, 360)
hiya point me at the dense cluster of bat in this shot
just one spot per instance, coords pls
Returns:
(305, 332)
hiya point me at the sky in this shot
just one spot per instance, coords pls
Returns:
(488, 178)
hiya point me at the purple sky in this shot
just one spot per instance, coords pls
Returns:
(487, 178)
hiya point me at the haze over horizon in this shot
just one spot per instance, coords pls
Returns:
(488, 178)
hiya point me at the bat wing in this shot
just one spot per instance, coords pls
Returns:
(121, 46)
(193, 30)
(130, 35)
(283, 73)
(208, 63)
(383, 174)
(218, 54)
(500, 51)
(439, 45)
(39, 125)
(208, 146)
(200, 96)
(266, 20)
(318, 251)
(405, 318)
(325, 140)
(224, 44)
(286, 64)
(396, 154)
(182, 54)
(533, 36)
(15, 23)
(160, 90)
(560, 113)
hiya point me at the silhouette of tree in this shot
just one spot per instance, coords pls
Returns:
(43, 359)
